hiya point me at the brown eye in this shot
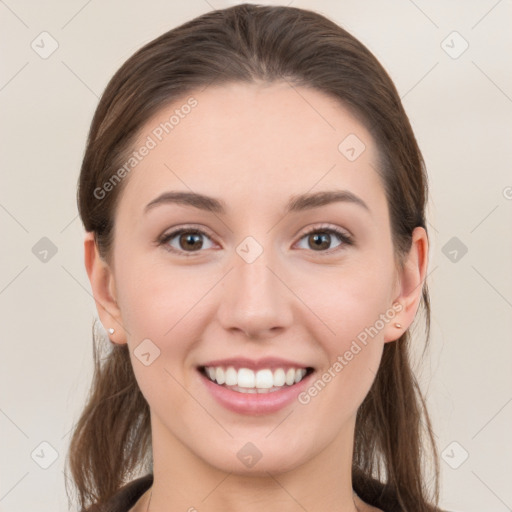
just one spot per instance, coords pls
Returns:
(185, 240)
(320, 239)
(190, 241)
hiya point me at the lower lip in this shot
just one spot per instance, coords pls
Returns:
(255, 403)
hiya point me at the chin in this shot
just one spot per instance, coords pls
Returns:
(249, 460)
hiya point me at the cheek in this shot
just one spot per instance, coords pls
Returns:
(353, 342)
(163, 306)
(154, 297)
(351, 299)
(354, 307)
(167, 305)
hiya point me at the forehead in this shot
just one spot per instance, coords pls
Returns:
(255, 142)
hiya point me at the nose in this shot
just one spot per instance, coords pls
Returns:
(255, 299)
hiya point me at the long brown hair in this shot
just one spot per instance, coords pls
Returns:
(111, 441)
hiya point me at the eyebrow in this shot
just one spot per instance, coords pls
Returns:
(295, 204)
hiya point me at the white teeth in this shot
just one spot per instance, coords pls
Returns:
(279, 377)
(231, 377)
(264, 379)
(246, 380)
(299, 374)
(220, 377)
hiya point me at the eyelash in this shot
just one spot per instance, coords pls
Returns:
(344, 237)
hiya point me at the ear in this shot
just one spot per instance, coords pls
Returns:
(410, 286)
(102, 282)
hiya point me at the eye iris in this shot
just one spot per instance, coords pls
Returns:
(320, 241)
(193, 238)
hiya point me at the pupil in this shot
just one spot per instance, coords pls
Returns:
(189, 240)
(323, 239)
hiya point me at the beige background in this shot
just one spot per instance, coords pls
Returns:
(460, 109)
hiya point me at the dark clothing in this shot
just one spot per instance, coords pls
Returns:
(128, 495)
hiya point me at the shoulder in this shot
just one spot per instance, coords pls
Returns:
(126, 497)
(375, 496)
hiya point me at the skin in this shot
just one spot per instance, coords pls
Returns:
(254, 146)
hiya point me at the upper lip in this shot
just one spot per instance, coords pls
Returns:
(255, 364)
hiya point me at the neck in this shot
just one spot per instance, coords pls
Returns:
(149, 494)
(183, 481)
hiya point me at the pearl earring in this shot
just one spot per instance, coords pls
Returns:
(398, 326)
(111, 330)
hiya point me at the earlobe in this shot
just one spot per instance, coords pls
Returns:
(410, 283)
(103, 289)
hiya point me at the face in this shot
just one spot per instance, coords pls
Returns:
(256, 277)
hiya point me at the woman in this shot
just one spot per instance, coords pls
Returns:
(254, 202)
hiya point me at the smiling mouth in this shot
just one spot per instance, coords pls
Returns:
(246, 380)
